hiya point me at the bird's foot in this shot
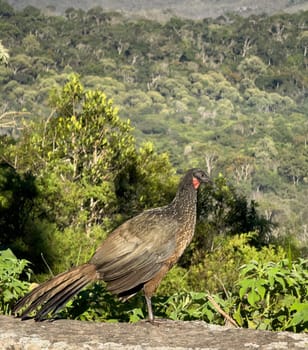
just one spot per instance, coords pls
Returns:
(157, 321)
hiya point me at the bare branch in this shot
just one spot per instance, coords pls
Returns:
(227, 317)
(8, 119)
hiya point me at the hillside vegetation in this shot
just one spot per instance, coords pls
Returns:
(226, 94)
(165, 9)
(97, 112)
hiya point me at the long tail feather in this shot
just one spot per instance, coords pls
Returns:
(59, 300)
(52, 295)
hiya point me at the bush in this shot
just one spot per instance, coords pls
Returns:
(273, 296)
(11, 287)
(218, 271)
(268, 296)
(187, 306)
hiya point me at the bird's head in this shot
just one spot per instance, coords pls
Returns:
(199, 176)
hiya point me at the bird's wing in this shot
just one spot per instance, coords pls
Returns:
(133, 253)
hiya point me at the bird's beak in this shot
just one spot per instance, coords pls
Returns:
(208, 181)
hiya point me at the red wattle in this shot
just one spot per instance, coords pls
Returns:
(196, 183)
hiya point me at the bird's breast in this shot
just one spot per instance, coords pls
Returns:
(184, 236)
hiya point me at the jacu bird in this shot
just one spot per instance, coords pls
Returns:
(135, 256)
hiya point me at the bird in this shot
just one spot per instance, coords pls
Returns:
(134, 257)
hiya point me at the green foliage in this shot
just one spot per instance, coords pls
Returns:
(11, 287)
(177, 279)
(266, 295)
(273, 296)
(95, 304)
(17, 195)
(72, 247)
(87, 176)
(251, 67)
(149, 182)
(187, 306)
(90, 144)
(216, 269)
(233, 213)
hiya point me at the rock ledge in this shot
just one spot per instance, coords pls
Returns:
(166, 335)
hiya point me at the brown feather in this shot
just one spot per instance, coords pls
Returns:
(48, 295)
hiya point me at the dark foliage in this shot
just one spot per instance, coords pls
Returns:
(18, 192)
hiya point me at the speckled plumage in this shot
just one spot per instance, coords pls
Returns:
(135, 255)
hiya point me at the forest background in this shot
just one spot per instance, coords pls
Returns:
(98, 110)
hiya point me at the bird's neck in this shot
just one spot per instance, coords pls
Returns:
(185, 201)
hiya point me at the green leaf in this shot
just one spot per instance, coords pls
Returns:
(237, 316)
(300, 317)
(246, 285)
(253, 297)
(259, 285)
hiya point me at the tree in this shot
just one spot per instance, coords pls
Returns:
(4, 54)
(88, 174)
(6, 10)
(266, 153)
(31, 45)
(98, 15)
(84, 146)
(241, 169)
(17, 194)
(294, 164)
(251, 67)
(303, 42)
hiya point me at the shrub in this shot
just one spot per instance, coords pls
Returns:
(273, 296)
(219, 269)
(268, 296)
(11, 287)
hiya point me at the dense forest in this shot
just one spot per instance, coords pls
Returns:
(100, 114)
(160, 9)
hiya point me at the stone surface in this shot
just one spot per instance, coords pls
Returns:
(70, 335)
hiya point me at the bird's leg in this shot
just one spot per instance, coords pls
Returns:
(150, 287)
(150, 310)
